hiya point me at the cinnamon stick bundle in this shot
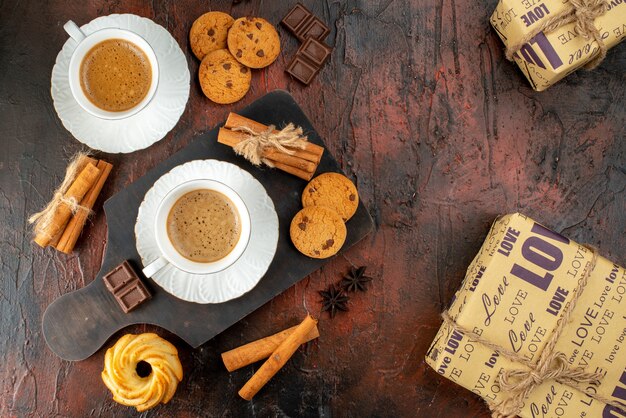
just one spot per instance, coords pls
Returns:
(57, 215)
(61, 222)
(301, 163)
(75, 226)
(260, 349)
(278, 358)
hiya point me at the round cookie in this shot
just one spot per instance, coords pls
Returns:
(222, 78)
(334, 191)
(120, 373)
(254, 42)
(318, 232)
(209, 32)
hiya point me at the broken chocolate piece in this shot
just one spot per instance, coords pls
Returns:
(295, 17)
(317, 52)
(316, 30)
(119, 277)
(132, 295)
(127, 288)
(304, 24)
(308, 60)
(301, 70)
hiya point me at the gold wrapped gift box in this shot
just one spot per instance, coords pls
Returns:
(550, 56)
(514, 293)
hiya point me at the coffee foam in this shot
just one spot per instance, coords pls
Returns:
(115, 75)
(204, 226)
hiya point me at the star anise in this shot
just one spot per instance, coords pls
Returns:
(355, 280)
(333, 300)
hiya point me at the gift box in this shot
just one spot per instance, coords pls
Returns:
(550, 39)
(538, 326)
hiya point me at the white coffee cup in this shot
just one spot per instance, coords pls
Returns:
(169, 254)
(85, 43)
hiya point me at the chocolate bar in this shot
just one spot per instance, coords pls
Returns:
(304, 24)
(127, 288)
(309, 59)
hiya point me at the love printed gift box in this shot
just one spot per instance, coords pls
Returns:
(538, 326)
(549, 39)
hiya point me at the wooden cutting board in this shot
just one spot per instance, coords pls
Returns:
(77, 324)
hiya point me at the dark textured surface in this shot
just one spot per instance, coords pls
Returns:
(78, 323)
(440, 133)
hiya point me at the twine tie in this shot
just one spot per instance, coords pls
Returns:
(256, 144)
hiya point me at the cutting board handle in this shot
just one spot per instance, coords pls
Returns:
(77, 324)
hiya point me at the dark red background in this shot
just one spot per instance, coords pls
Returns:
(438, 130)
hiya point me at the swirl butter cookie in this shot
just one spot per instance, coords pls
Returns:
(334, 191)
(209, 32)
(254, 42)
(121, 377)
(318, 232)
(222, 78)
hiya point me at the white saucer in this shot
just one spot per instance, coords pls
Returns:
(246, 272)
(149, 125)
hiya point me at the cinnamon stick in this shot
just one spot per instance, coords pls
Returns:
(260, 349)
(232, 138)
(293, 161)
(278, 359)
(234, 120)
(61, 216)
(304, 175)
(75, 226)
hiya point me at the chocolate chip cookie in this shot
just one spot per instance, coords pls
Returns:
(254, 42)
(334, 191)
(209, 32)
(222, 78)
(318, 232)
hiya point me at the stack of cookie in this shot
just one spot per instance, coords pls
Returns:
(319, 229)
(228, 49)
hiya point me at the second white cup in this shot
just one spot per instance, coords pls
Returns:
(169, 254)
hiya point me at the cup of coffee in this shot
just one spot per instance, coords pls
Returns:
(113, 73)
(201, 227)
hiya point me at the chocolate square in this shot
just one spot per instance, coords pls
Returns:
(132, 295)
(119, 277)
(317, 52)
(301, 69)
(296, 17)
(316, 29)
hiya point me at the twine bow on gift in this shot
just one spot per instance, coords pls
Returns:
(254, 146)
(552, 364)
(581, 12)
(520, 382)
